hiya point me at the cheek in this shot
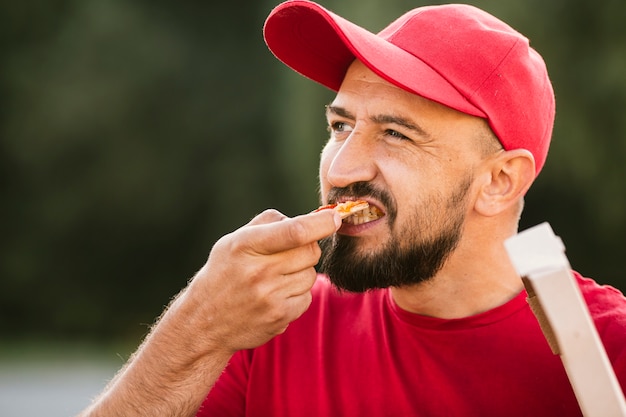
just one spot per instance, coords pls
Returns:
(325, 160)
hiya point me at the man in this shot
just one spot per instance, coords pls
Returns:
(441, 122)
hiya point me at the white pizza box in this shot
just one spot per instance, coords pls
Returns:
(555, 298)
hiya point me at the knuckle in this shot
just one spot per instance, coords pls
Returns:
(261, 291)
(312, 277)
(298, 233)
(277, 317)
(270, 215)
(304, 302)
(316, 251)
(306, 279)
(227, 243)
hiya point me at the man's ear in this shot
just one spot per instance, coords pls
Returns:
(509, 176)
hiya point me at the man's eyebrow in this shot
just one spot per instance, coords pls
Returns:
(400, 121)
(339, 111)
(380, 119)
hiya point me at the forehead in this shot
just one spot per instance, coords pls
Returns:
(366, 87)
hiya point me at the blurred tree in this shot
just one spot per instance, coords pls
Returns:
(134, 134)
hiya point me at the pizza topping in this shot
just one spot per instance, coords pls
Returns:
(354, 212)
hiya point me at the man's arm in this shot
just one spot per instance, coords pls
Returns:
(255, 282)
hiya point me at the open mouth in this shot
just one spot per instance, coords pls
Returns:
(355, 212)
(366, 215)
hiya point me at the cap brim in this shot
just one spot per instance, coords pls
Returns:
(321, 45)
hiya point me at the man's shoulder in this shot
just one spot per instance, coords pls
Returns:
(600, 297)
(607, 307)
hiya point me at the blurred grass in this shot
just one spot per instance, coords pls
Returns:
(37, 351)
(54, 379)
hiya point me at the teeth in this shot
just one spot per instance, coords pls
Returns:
(364, 216)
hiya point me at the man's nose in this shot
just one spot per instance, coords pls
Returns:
(353, 162)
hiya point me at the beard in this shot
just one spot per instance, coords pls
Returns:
(415, 252)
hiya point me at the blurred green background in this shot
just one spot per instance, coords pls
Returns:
(133, 134)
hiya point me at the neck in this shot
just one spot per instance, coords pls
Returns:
(477, 277)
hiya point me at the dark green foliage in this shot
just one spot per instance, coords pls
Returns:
(134, 134)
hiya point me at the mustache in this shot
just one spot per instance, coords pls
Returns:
(362, 190)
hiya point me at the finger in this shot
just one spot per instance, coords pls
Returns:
(300, 282)
(267, 216)
(296, 259)
(293, 232)
(288, 309)
(297, 305)
(287, 285)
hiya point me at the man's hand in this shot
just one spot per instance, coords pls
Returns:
(255, 282)
(258, 278)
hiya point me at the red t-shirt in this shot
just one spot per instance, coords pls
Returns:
(362, 355)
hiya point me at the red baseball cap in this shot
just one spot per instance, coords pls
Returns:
(455, 54)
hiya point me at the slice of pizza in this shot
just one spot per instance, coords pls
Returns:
(347, 208)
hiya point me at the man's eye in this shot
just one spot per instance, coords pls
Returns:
(395, 134)
(339, 127)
